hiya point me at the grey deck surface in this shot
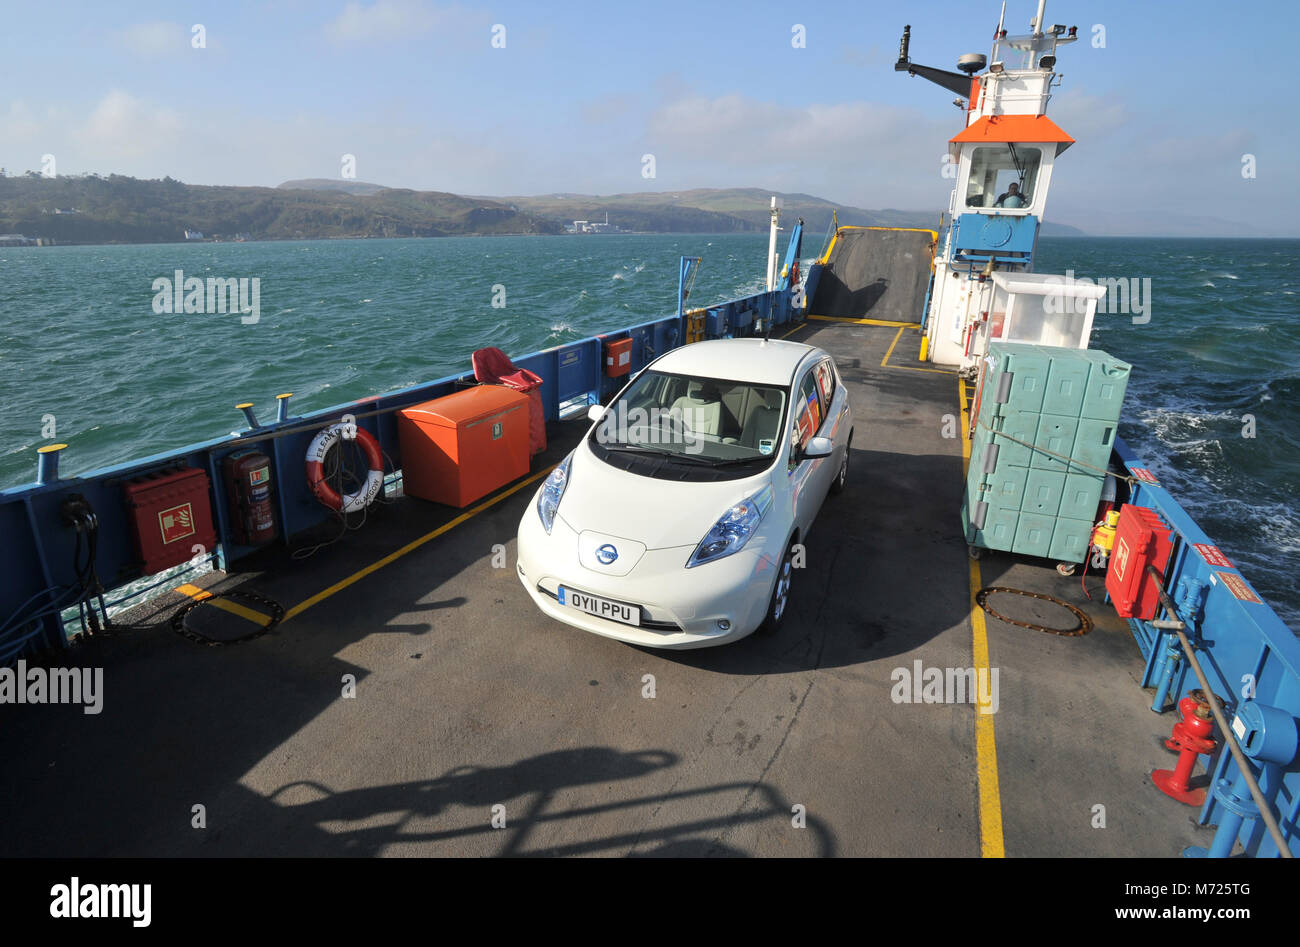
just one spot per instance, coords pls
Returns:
(468, 698)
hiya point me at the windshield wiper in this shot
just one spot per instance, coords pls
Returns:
(669, 454)
(737, 461)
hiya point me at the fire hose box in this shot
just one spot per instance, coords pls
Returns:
(461, 447)
(1141, 539)
(618, 357)
(170, 514)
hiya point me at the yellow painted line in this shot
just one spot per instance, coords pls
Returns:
(866, 322)
(913, 368)
(898, 335)
(792, 331)
(256, 617)
(830, 247)
(411, 546)
(986, 750)
(884, 362)
(234, 608)
(902, 229)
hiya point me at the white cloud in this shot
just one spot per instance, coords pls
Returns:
(125, 126)
(382, 20)
(861, 153)
(1087, 117)
(154, 40)
(19, 123)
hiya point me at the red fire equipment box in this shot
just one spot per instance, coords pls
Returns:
(248, 489)
(170, 513)
(461, 447)
(1141, 539)
(618, 357)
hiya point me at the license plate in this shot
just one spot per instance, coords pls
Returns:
(600, 607)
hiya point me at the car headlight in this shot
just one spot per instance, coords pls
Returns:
(548, 500)
(730, 533)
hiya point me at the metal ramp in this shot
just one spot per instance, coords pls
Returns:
(875, 273)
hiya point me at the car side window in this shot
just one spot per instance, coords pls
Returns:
(825, 383)
(806, 413)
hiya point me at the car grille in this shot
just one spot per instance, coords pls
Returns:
(646, 622)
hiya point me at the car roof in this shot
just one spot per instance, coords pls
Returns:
(771, 362)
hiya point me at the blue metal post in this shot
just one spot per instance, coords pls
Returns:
(1269, 736)
(247, 408)
(47, 462)
(1166, 664)
(1235, 798)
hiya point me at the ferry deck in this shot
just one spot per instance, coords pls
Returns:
(481, 727)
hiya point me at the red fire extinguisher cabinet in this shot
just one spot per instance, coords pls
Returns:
(1141, 539)
(170, 513)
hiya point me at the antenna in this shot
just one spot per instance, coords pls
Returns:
(1038, 20)
(952, 81)
(903, 44)
(1002, 17)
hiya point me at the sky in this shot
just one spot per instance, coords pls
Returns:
(1167, 100)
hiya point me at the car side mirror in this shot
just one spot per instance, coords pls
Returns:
(596, 412)
(818, 447)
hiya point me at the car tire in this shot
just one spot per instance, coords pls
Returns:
(779, 602)
(842, 477)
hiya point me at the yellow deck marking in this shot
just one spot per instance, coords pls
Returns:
(193, 591)
(865, 322)
(411, 546)
(249, 614)
(792, 331)
(884, 362)
(986, 750)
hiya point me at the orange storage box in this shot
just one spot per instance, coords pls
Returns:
(461, 447)
(618, 357)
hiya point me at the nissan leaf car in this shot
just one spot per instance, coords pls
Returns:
(677, 520)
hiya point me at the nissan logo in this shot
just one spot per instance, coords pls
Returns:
(606, 554)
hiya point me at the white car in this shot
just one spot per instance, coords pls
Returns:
(673, 524)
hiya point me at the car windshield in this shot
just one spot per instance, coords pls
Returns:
(692, 420)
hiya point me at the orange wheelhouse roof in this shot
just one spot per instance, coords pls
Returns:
(1014, 128)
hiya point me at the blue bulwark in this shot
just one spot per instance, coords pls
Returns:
(1006, 238)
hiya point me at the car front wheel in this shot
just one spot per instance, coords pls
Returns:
(842, 477)
(779, 603)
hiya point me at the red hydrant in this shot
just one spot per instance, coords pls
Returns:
(1191, 737)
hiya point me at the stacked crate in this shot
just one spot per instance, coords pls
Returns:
(1067, 401)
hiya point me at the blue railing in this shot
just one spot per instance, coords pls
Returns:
(38, 580)
(1252, 661)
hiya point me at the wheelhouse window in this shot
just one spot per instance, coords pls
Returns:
(1003, 176)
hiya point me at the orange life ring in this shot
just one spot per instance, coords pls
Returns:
(319, 447)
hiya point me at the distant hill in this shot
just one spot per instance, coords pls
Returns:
(721, 210)
(331, 184)
(120, 209)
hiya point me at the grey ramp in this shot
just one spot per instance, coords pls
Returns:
(876, 274)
